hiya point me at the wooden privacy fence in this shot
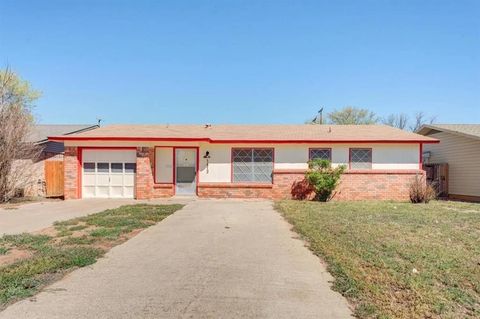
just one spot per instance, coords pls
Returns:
(54, 178)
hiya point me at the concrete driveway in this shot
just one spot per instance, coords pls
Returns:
(213, 259)
(36, 216)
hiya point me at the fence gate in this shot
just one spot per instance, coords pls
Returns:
(437, 176)
(54, 178)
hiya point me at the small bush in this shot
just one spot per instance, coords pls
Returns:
(323, 178)
(420, 191)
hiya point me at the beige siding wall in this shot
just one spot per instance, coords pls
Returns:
(463, 157)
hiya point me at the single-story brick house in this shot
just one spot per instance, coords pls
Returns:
(238, 161)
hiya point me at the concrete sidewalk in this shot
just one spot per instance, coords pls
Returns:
(213, 259)
(36, 216)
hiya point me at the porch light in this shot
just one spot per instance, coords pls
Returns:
(207, 156)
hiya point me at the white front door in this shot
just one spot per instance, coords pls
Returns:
(185, 171)
(108, 173)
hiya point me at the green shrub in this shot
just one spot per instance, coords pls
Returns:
(323, 178)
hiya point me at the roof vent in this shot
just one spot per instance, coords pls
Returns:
(208, 125)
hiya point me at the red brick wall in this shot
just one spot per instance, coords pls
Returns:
(379, 185)
(384, 186)
(70, 164)
(163, 190)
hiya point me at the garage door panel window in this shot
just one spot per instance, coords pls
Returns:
(89, 167)
(130, 168)
(252, 165)
(117, 168)
(102, 167)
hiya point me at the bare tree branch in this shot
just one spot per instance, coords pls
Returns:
(396, 120)
(16, 152)
(420, 120)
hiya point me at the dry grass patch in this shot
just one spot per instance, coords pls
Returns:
(397, 260)
(28, 262)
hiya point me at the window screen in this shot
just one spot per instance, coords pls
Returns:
(320, 153)
(360, 158)
(252, 165)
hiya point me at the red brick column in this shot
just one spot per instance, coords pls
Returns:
(71, 163)
(144, 177)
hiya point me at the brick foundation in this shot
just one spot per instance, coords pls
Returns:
(227, 190)
(71, 166)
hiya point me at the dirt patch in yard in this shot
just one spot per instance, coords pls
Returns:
(14, 255)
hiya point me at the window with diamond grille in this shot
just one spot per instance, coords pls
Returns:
(252, 165)
(320, 153)
(360, 158)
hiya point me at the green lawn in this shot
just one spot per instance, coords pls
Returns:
(397, 260)
(69, 244)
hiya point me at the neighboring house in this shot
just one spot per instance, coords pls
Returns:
(242, 161)
(459, 147)
(50, 150)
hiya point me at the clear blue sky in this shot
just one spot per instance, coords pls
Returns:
(243, 61)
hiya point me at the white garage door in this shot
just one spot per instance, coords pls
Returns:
(108, 173)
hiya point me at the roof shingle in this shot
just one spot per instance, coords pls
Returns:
(470, 130)
(246, 133)
(41, 132)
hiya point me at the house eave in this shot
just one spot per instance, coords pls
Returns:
(237, 141)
